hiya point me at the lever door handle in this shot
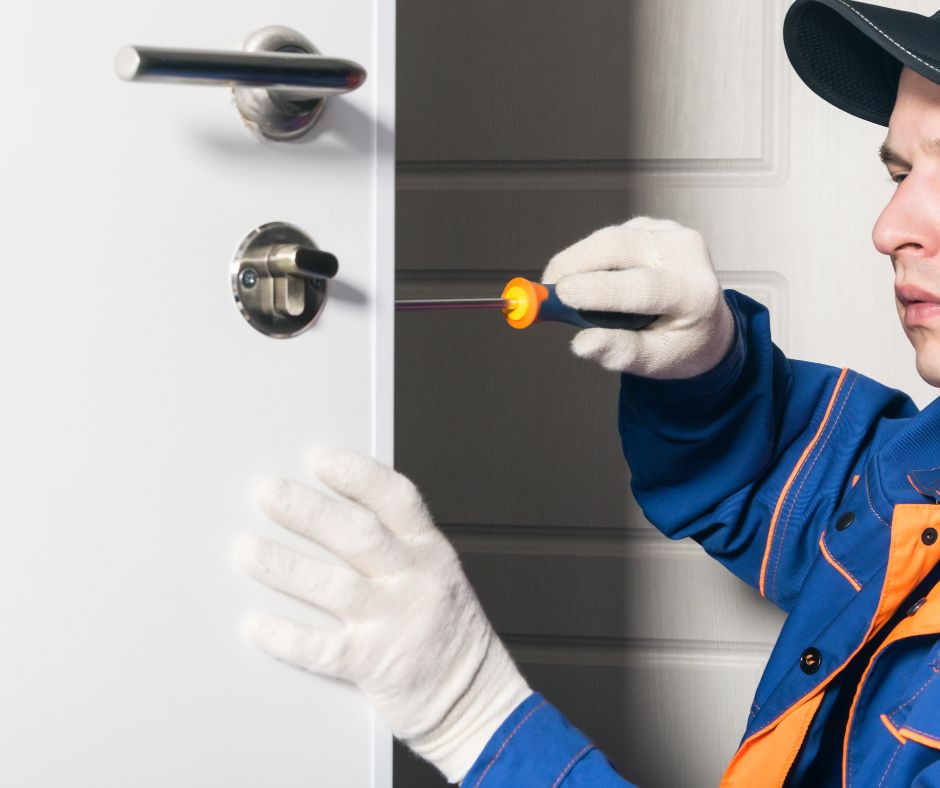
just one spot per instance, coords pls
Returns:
(307, 76)
(280, 80)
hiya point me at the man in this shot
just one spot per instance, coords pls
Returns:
(816, 485)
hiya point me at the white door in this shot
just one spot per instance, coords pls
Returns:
(138, 404)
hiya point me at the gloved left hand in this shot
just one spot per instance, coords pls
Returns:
(413, 637)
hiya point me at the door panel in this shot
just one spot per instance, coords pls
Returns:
(141, 405)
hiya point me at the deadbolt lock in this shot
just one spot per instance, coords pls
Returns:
(279, 279)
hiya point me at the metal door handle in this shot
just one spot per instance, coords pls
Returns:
(280, 81)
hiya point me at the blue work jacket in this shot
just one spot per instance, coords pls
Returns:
(819, 487)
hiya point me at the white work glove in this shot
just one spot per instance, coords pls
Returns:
(413, 637)
(652, 267)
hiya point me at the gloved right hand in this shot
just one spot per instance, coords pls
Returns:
(653, 267)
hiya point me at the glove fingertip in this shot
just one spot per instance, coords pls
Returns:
(249, 552)
(334, 466)
(614, 349)
(579, 291)
(321, 456)
(259, 629)
(652, 223)
(551, 274)
(589, 343)
(563, 291)
(270, 490)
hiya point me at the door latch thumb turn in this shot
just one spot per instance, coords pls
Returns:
(279, 279)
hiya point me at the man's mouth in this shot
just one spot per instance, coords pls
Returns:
(911, 294)
(919, 305)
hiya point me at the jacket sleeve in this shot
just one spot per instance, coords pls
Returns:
(537, 746)
(752, 458)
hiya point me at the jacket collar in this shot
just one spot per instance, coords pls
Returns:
(905, 468)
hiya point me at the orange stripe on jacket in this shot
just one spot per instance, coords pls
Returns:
(891, 729)
(905, 734)
(841, 569)
(909, 562)
(793, 475)
(920, 738)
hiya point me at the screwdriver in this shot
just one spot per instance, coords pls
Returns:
(525, 303)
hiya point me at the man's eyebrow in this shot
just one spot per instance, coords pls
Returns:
(891, 156)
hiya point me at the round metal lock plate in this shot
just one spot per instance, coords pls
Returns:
(254, 283)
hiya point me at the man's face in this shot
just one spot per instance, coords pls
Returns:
(909, 227)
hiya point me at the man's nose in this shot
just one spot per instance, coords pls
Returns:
(907, 223)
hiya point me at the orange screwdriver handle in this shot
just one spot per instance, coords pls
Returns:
(533, 302)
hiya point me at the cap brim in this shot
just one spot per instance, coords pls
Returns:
(851, 54)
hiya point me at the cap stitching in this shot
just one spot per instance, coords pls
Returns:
(878, 29)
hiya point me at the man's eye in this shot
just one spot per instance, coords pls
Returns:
(898, 177)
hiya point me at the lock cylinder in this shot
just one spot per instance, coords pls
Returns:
(279, 279)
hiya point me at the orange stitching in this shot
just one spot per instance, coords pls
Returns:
(506, 741)
(564, 772)
(888, 767)
(868, 496)
(934, 494)
(845, 572)
(806, 476)
(789, 482)
(911, 699)
(915, 486)
(773, 580)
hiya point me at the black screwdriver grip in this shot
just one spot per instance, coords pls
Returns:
(630, 322)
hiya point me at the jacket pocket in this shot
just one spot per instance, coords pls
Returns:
(918, 718)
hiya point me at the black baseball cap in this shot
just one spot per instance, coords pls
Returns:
(851, 53)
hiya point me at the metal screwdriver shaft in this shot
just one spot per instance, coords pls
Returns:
(417, 305)
(525, 302)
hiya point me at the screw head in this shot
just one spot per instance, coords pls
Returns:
(248, 278)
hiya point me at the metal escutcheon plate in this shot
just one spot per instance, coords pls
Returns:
(253, 283)
(275, 113)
